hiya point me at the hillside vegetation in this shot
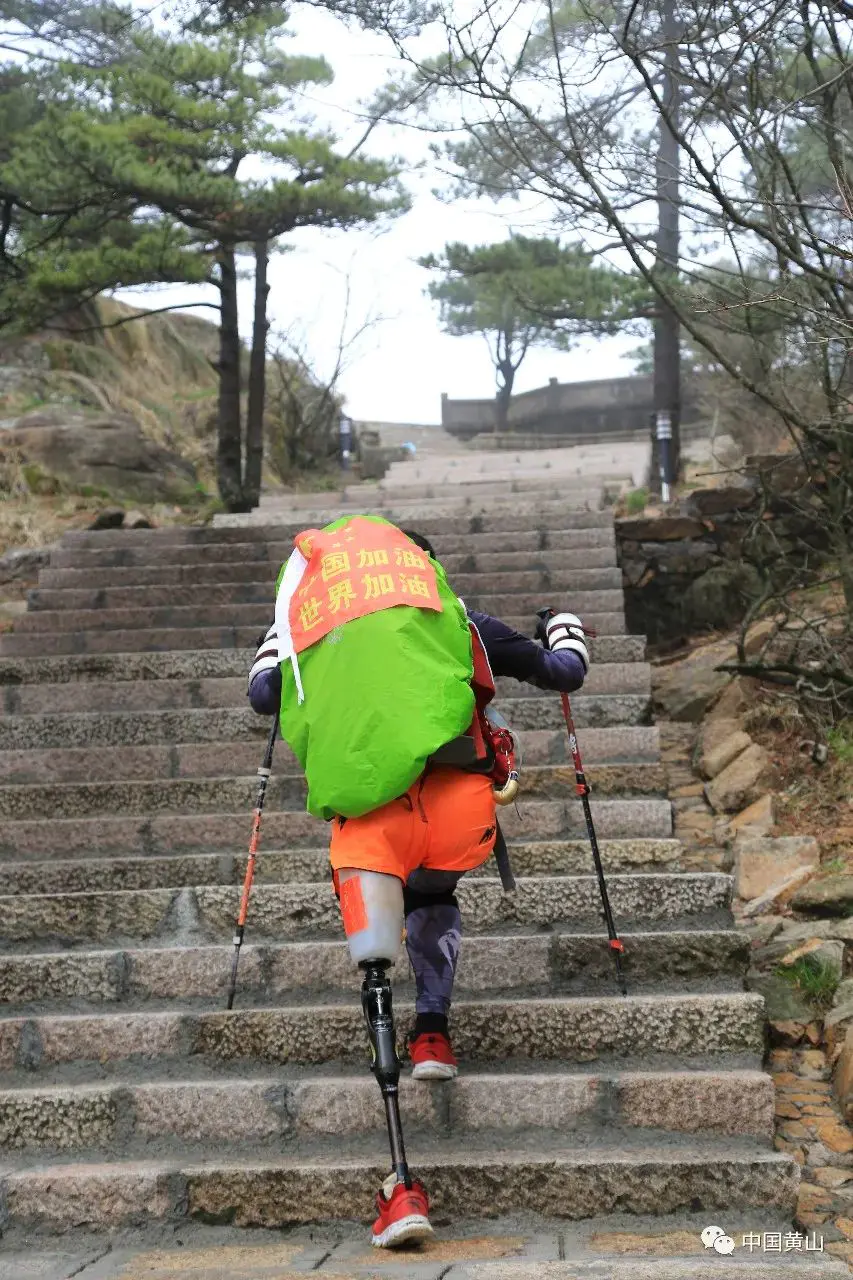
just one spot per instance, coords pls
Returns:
(153, 381)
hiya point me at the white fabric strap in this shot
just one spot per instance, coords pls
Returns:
(565, 631)
(266, 658)
(290, 581)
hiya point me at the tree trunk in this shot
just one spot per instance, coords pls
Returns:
(504, 395)
(844, 553)
(229, 469)
(667, 361)
(257, 381)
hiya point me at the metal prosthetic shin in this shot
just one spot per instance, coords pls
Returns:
(372, 911)
(379, 1015)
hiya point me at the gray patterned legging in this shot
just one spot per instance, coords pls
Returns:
(433, 936)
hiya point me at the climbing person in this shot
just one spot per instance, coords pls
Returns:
(383, 695)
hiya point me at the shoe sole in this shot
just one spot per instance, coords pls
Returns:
(434, 1071)
(409, 1230)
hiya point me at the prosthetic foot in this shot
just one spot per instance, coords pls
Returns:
(402, 1205)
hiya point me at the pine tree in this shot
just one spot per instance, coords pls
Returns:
(189, 129)
(529, 291)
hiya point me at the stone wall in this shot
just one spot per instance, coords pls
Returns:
(615, 407)
(693, 568)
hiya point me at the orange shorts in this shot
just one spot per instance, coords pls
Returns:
(445, 821)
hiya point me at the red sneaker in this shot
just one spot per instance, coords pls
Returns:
(402, 1214)
(432, 1057)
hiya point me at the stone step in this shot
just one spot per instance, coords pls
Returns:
(815, 1265)
(689, 1029)
(465, 510)
(503, 477)
(285, 1113)
(445, 503)
(259, 612)
(630, 745)
(532, 965)
(286, 790)
(559, 1180)
(610, 678)
(274, 546)
(240, 724)
(554, 484)
(294, 910)
(509, 518)
(564, 582)
(39, 838)
(230, 691)
(89, 696)
(249, 568)
(408, 503)
(206, 663)
(280, 866)
(243, 636)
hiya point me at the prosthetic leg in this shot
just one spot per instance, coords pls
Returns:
(372, 910)
(379, 1016)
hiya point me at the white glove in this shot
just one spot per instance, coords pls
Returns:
(565, 631)
(267, 656)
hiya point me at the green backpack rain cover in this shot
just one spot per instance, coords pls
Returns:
(382, 692)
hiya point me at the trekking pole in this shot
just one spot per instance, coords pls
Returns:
(263, 778)
(616, 947)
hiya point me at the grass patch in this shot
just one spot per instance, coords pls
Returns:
(816, 981)
(840, 741)
(636, 500)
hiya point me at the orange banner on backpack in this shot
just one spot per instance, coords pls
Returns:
(359, 569)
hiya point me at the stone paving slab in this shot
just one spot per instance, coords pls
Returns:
(221, 634)
(623, 746)
(249, 567)
(559, 1180)
(556, 1029)
(179, 833)
(287, 790)
(527, 964)
(241, 724)
(298, 910)
(258, 611)
(506, 519)
(656, 1269)
(53, 1264)
(266, 1109)
(450, 547)
(203, 591)
(278, 866)
(203, 664)
(618, 1248)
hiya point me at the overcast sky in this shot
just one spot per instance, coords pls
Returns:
(399, 367)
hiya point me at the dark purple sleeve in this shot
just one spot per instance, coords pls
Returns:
(512, 654)
(265, 692)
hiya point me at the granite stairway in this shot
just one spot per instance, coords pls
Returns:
(128, 1096)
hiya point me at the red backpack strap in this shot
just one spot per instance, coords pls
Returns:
(482, 681)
